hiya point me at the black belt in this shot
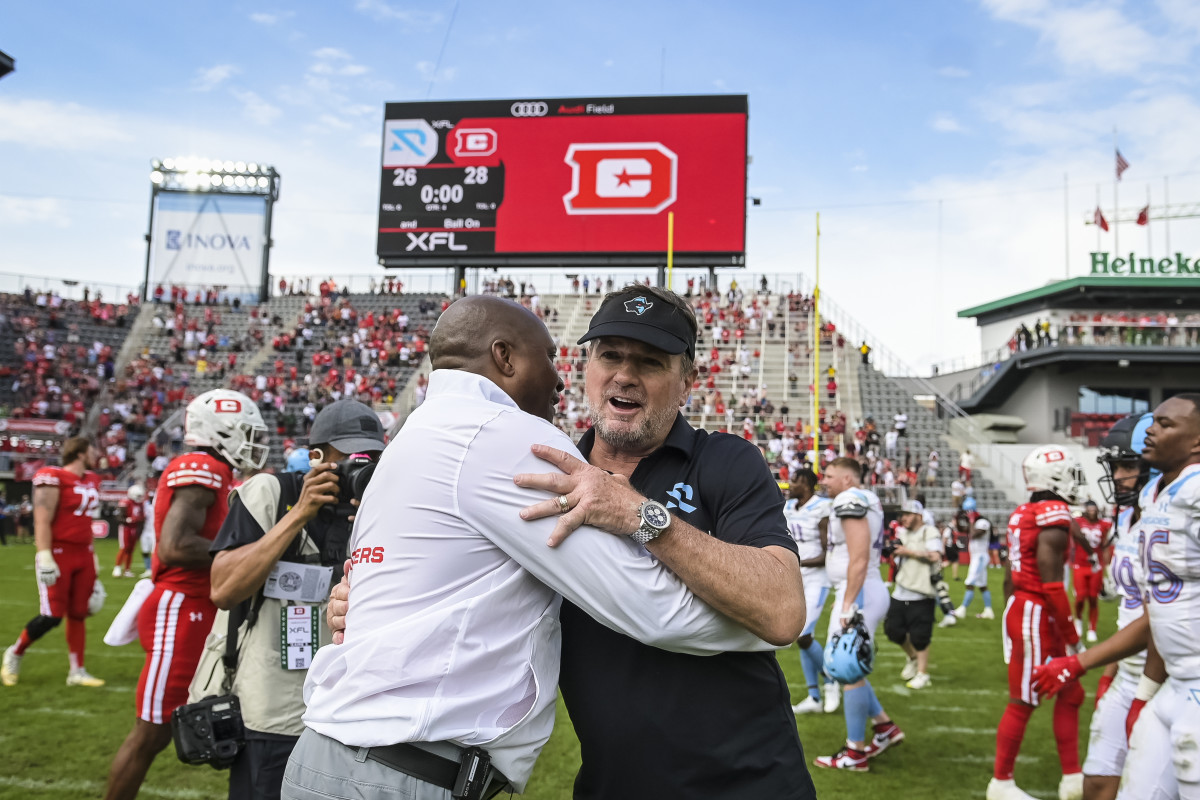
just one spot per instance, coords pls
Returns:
(424, 765)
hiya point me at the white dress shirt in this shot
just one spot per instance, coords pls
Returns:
(452, 633)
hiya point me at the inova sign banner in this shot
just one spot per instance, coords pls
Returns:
(207, 239)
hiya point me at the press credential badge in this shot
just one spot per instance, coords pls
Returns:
(299, 633)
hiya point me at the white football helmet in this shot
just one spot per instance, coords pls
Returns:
(1051, 468)
(136, 493)
(229, 423)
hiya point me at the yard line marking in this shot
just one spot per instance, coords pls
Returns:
(978, 758)
(62, 712)
(79, 788)
(960, 730)
(952, 709)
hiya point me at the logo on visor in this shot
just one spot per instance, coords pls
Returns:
(620, 178)
(638, 305)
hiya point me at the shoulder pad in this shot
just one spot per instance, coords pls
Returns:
(199, 471)
(46, 477)
(851, 503)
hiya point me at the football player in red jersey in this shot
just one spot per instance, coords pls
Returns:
(64, 500)
(130, 532)
(226, 429)
(1037, 618)
(1088, 574)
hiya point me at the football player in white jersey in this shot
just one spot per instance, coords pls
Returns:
(855, 545)
(977, 549)
(807, 516)
(1164, 748)
(1124, 653)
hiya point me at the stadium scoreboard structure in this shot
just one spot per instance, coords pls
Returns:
(579, 181)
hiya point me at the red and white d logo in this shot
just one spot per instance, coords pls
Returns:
(621, 178)
(227, 405)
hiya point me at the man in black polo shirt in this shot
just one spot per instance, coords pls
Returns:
(652, 723)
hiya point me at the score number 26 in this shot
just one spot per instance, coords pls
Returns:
(408, 176)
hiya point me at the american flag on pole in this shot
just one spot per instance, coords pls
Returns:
(1122, 165)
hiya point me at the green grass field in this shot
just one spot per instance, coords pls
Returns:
(58, 742)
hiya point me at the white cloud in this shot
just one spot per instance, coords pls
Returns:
(954, 72)
(263, 18)
(19, 211)
(425, 70)
(208, 79)
(1096, 37)
(337, 62)
(59, 126)
(946, 123)
(859, 168)
(382, 10)
(255, 108)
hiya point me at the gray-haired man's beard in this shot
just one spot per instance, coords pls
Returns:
(637, 437)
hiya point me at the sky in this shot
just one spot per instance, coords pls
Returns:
(953, 149)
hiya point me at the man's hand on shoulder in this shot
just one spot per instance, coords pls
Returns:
(593, 496)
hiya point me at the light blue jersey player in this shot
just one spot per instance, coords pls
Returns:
(852, 564)
(807, 516)
(1164, 748)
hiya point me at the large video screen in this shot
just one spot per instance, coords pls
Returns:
(581, 180)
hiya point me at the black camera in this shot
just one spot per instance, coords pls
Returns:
(354, 473)
(209, 732)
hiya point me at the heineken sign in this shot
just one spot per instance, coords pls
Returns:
(1102, 264)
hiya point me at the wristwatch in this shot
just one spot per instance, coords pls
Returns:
(655, 519)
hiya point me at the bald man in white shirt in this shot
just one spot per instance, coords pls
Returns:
(452, 638)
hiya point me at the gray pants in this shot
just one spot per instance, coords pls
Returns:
(324, 769)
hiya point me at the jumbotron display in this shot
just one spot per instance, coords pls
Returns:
(581, 180)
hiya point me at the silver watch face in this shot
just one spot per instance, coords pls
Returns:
(656, 515)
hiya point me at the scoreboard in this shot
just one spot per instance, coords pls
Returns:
(580, 180)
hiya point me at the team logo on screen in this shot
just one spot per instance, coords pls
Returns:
(408, 143)
(621, 178)
(474, 142)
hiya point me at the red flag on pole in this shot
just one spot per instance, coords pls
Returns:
(1144, 216)
(1100, 220)
(1122, 165)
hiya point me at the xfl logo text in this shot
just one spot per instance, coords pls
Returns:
(529, 108)
(621, 178)
(430, 241)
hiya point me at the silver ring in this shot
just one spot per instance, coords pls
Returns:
(564, 505)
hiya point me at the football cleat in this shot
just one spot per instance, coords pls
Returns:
(833, 697)
(948, 621)
(146, 574)
(10, 669)
(919, 681)
(1006, 790)
(987, 613)
(847, 758)
(1071, 787)
(116, 572)
(809, 705)
(909, 671)
(886, 735)
(81, 677)
(1091, 636)
(1079, 628)
(961, 612)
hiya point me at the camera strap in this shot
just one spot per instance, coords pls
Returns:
(246, 611)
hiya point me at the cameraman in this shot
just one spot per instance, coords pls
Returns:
(293, 519)
(909, 621)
